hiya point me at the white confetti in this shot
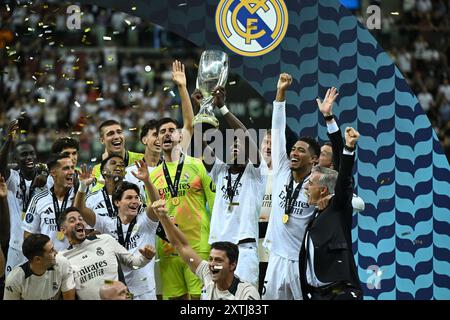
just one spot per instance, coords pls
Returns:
(172, 93)
(8, 8)
(128, 22)
(99, 99)
(232, 83)
(148, 68)
(93, 159)
(191, 260)
(41, 100)
(182, 4)
(106, 38)
(77, 104)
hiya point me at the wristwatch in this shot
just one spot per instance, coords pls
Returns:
(349, 149)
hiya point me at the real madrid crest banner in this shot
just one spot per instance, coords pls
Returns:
(401, 171)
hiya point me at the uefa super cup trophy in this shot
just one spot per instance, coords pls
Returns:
(212, 72)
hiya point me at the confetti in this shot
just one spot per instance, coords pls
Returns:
(133, 8)
(87, 30)
(76, 133)
(106, 38)
(77, 104)
(99, 99)
(93, 159)
(182, 4)
(127, 22)
(395, 13)
(8, 8)
(232, 83)
(174, 106)
(132, 129)
(133, 27)
(89, 82)
(116, 32)
(191, 260)
(41, 100)
(148, 68)
(166, 88)
(31, 29)
(110, 58)
(172, 93)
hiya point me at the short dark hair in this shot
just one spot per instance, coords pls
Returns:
(163, 121)
(105, 161)
(63, 215)
(34, 245)
(22, 143)
(121, 188)
(54, 158)
(314, 146)
(230, 249)
(107, 123)
(150, 125)
(63, 143)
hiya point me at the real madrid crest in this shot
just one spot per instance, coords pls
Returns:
(100, 251)
(251, 27)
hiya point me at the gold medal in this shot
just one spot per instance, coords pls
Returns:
(60, 235)
(175, 201)
(285, 218)
(23, 215)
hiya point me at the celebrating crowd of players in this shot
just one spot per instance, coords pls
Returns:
(272, 222)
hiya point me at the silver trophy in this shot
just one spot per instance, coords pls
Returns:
(212, 72)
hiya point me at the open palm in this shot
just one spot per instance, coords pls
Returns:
(326, 107)
(178, 75)
(85, 175)
(142, 173)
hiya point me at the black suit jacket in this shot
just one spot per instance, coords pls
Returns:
(330, 231)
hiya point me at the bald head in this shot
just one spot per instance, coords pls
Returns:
(114, 290)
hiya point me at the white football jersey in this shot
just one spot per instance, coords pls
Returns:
(240, 221)
(97, 259)
(97, 203)
(142, 280)
(285, 239)
(22, 284)
(41, 218)
(15, 204)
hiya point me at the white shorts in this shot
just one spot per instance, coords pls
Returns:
(14, 259)
(248, 264)
(282, 281)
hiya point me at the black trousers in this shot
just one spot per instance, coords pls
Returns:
(338, 291)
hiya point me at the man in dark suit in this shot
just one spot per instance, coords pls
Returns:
(327, 268)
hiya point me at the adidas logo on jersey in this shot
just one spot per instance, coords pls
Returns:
(48, 211)
(99, 206)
